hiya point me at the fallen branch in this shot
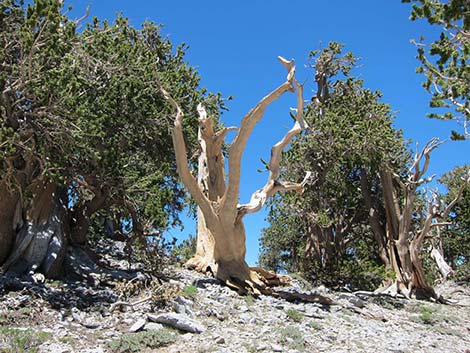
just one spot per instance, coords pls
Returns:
(123, 303)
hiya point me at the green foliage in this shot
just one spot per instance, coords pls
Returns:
(249, 300)
(137, 342)
(83, 109)
(185, 250)
(456, 237)
(14, 340)
(325, 233)
(189, 291)
(446, 61)
(294, 315)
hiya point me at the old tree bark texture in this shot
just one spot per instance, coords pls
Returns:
(221, 233)
(407, 227)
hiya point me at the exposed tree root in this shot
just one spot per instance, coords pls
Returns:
(254, 281)
(397, 289)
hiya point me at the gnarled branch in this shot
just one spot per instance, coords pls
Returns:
(272, 186)
(182, 164)
(237, 147)
(259, 197)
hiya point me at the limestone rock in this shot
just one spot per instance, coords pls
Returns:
(178, 321)
(138, 325)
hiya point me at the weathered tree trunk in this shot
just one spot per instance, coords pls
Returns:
(221, 233)
(324, 246)
(405, 239)
(37, 235)
(443, 267)
(10, 219)
(378, 229)
(40, 243)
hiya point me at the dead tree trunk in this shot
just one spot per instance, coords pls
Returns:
(221, 233)
(405, 239)
(437, 253)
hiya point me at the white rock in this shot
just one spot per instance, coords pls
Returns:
(153, 326)
(178, 321)
(138, 325)
(220, 340)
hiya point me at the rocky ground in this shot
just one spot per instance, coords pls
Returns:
(188, 312)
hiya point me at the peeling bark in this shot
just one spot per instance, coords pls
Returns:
(441, 263)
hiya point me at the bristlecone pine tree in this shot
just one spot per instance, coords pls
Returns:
(84, 134)
(407, 226)
(221, 233)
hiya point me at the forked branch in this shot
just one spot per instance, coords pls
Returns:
(248, 123)
(182, 164)
(272, 186)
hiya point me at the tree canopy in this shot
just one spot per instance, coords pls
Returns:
(81, 109)
(351, 137)
(446, 61)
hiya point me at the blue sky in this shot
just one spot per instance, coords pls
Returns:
(234, 46)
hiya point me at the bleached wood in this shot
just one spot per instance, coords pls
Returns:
(182, 164)
(230, 200)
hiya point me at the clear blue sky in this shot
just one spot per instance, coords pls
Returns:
(234, 46)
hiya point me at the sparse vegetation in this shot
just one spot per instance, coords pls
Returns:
(189, 291)
(292, 338)
(136, 342)
(249, 300)
(16, 340)
(294, 315)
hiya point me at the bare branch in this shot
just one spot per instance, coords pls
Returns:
(246, 127)
(182, 164)
(220, 135)
(452, 204)
(418, 172)
(441, 224)
(259, 197)
(299, 125)
(272, 186)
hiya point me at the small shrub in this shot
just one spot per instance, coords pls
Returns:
(190, 291)
(292, 338)
(249, 300)
(164, 294)
(294, 315)
(136, 342)
(426, 316)
(15, 340)
(314, 325)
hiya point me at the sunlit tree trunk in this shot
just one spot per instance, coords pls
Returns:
(221, 233)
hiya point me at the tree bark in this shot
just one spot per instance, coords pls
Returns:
(221, 233)
(405, 239)
(374, 219)
(40, 244)
(441, 263)
(10, 218)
